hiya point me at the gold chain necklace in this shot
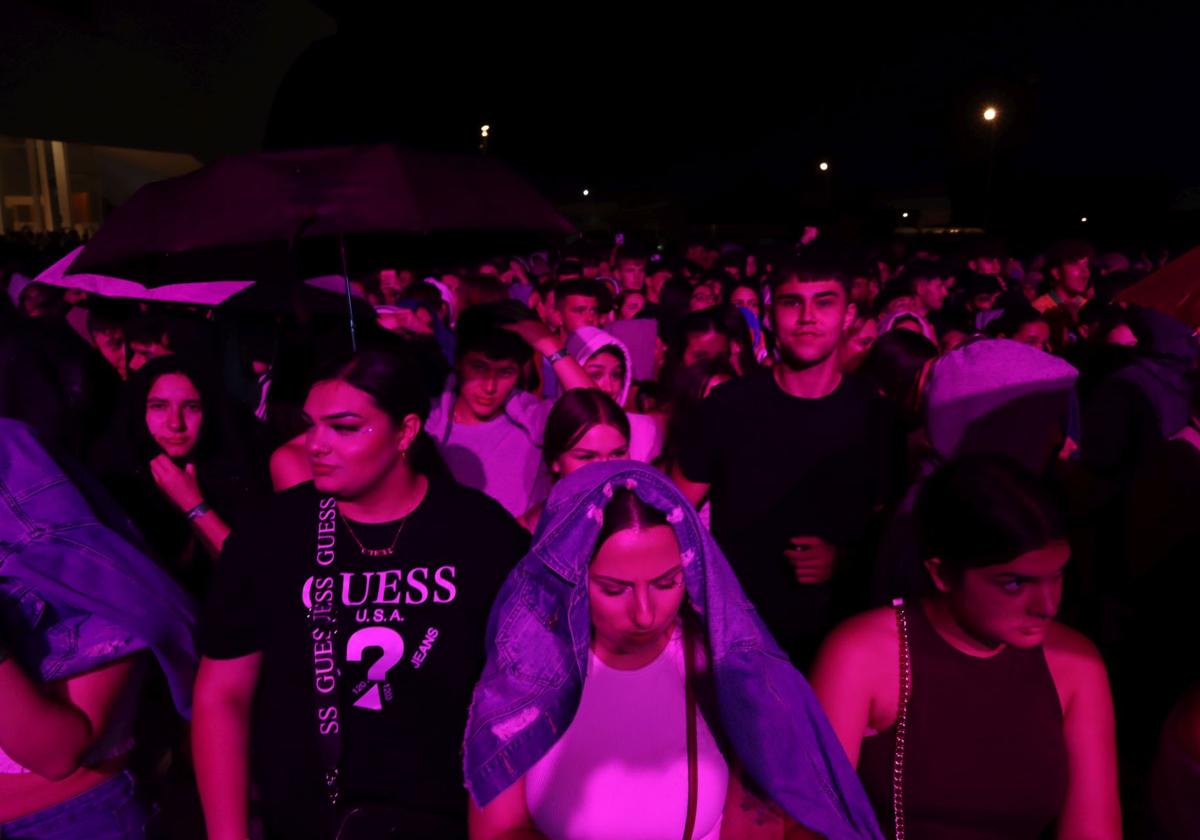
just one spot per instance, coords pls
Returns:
(374, 552)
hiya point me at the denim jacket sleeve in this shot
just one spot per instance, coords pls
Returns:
(99, 595)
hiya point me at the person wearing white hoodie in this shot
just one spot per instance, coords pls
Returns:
(606, 359)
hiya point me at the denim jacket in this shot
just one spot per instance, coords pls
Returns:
(539, 633)
(74, 594)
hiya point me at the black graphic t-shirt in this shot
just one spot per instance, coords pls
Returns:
(408, 646)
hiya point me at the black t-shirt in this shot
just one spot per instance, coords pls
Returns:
(409, 646)
(781, 467)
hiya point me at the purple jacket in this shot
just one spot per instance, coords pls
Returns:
(74, 594)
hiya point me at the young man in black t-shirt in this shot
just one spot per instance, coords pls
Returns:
(795, 460)
(346, 626)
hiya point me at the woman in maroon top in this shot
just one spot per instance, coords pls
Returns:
(1007, 720)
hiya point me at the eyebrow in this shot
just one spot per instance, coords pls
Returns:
(662, 577)
(1013, 576)
(342, 415)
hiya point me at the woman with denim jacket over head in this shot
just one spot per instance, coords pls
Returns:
(638, 737)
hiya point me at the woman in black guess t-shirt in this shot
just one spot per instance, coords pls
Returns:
(345, 629)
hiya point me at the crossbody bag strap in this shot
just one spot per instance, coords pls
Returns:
(901, 717)
(689, 665)
(323, 627)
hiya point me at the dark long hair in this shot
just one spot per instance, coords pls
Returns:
(392, 379)
(225, 438)
(894, 364)
(981, 511)
(228, 458)
(575, 413)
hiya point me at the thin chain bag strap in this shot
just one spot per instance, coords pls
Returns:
(901, 717)
(689, 666)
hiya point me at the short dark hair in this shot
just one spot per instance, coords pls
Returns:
(807, 272)
(480, 289)
(108, 315)
(984, 510)
(147, 329)
(579, 288)
(481, 329)
(569, 267)
(1013, 318)
(923, 270)
(576, 412)
(1070, 250)
(632, 252)
(423, 292)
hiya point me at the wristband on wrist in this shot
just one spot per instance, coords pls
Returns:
(198, 511)
(557, 356)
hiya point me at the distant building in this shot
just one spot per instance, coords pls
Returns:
(51, 185)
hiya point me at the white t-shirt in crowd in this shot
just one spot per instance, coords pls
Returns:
(620, 771)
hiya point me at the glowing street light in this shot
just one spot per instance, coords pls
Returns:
(1084, 220)
(904, 215)
(989, 116)
(823, 166)
(586, 193)
(484, 129)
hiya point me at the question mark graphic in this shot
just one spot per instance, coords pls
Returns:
(392, 645)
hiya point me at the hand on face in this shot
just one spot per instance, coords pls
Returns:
(179, 485)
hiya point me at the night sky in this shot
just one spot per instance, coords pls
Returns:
(1097, 106)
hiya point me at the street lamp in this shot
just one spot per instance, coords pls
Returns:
(586, 193)
(484, 132)
(1084, 220)
(904, 215)
(989, 116)
(823, 166)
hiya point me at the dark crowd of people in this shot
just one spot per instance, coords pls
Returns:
(708, 541)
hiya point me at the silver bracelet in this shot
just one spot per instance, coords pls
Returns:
(198, 511)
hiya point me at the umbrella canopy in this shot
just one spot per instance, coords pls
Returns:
(201, 294)
(319, 295)
(1174, 289)
(245, 216)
